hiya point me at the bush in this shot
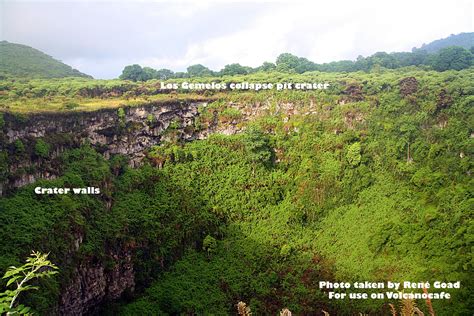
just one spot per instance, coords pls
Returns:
(42, 148)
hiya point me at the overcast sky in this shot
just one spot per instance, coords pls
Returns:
(101, 37)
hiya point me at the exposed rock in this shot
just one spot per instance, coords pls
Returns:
(444, 100)
(93, 284)
(129, 133)
(352, 118)
(139, 129)
(352, 93)
(408, 86)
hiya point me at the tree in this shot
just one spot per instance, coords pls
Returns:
(149, 73)
(288, 59)
(417, 57)
(361, 63)
(36, 266)
(337, 66)
(164, 74)
(135, 73)
(267, 67)
(181, 74)
(258, 145)
(234, 69)
(287, 62)
(383, 60)
(199, 71)
(453, 57)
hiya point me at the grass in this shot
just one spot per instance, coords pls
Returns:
(81, 94)
(43, 105)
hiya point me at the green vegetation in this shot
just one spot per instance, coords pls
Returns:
(454, 52)
(41, 148)
(79, 94)
(464, 40)
(452, 57)
(369, 180)
(54, 95)
(347, 206)
(150, 214)
(24, 61)
(121, 117)
(36, 266)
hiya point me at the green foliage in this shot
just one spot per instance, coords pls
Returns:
(353, 154)
(464, 40)
(150, 119)
(266, 67)
(450, 53)
(135, 73)
(70, 105)
(150, 211)
(287, 63)
(348, 196)
(209, 244)
(230, 114)
(325, 193)
(121, 117)
(164, 74)
(4, 172)
(234, 69)
(199, 71)
(174, 124)
(19, 146)
(456, 58)
(257, 145)
(42, 148)
(23, 61)
(36, 266)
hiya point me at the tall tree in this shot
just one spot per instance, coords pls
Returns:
(199, 70)
(453, 57)
(234, 69)
(135, 73)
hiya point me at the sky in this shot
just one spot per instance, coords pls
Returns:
(101, 37)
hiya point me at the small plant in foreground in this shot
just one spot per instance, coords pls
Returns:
(36, 266)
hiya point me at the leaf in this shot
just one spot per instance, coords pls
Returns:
(27, 288)
(24, 310)
(12, 271)
(13, 279)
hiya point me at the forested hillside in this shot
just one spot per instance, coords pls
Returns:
(18, 60)
(455, 52)
(464, 40)
(369, 180)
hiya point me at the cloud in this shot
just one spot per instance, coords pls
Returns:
(101, 37)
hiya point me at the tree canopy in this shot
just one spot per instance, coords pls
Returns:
(453, 57)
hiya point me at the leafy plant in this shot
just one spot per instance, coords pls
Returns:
(36, 266)
(209, 244)
(121, 117)
(42, 148)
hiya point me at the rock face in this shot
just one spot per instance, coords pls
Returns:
(408, 86)
(93, 284)
(128, 131)
(353, 93)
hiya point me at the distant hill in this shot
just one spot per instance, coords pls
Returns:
(23, 61)
(465, 40)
